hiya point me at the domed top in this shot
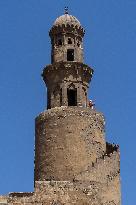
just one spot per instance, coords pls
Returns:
(67, 19)
(62, 24)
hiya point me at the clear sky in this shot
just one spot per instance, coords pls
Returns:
(110, 48)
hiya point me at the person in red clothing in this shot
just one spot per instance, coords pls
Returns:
(91, 104)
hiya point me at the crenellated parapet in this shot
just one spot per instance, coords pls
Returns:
(67, 28)
(104, 169)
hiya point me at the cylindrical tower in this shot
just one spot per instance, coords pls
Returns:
(68, 141)
(71, 155)
(67, 78)
(69, 136)
(67, 39)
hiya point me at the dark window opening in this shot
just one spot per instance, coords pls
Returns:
(59, 42)
(69, 41)
(70, 55)
(72, 97)
(78, 44)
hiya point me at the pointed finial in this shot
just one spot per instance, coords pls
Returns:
(66, 9)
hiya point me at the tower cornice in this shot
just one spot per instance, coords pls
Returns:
(82, 72)
(67, 28)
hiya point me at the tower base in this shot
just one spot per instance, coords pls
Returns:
(68, 193)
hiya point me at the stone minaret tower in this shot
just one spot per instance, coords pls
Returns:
(71, 153)
(74, 165)
(67, 78)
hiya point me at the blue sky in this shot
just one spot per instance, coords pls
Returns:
(110, 48)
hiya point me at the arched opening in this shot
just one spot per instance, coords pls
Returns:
(70, 55)
(72, 97)
(69, 41)
(60, 42)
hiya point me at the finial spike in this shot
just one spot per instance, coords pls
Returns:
(66, 9)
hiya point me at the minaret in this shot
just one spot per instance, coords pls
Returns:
(70, 147)
(67, 78)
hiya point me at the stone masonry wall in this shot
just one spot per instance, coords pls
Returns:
(68, 140)
(103, 170)
(68, 193)
(99, 185)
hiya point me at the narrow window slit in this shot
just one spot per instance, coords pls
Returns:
(69, 41)
(72, 97)
(70, 55)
